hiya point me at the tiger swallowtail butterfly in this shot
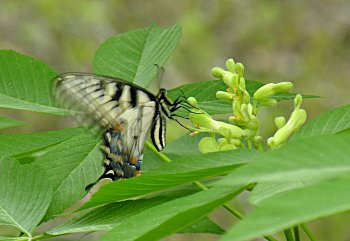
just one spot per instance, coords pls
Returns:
(125, 112)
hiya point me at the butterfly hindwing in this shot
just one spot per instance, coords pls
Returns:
(125, 141)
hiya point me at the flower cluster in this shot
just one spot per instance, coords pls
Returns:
(242, 128)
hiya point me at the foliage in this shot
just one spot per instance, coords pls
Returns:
(46, 174)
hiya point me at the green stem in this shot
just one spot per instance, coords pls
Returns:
(296, 233)
(22, 239)
(44, 236)
(260, 147)
(255, 108)
(226, 206)
(288, 234)
(236, 213)
(37, 237)
(159, 154)
(200, 185)
(250, 145)
(270, 238)
(307, 232)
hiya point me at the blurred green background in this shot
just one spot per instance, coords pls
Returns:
(306, 42)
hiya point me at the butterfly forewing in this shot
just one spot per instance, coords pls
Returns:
(100, 98)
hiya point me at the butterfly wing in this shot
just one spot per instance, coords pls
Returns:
(125, 112)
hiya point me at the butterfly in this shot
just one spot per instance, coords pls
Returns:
(125, 112)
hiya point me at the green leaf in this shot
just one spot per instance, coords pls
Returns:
(26, 83)
(71, 166)
(6, 122)
(309, 161)
(292, 208)
(328, 123)
(34, 141)
(25, 194)
(172, 216)
(205, 225)
(181, 171)
(136, 56)
(108, 216)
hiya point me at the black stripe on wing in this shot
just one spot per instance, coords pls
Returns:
(158, 132)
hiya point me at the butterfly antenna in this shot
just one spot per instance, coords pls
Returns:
(182, 124)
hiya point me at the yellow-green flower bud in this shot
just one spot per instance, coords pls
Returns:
(231, 66)
(217, 72)
(280, 122)
(246, 97)
(236, 106)
(258, 142)
(223, 95)
(268, 102)
(229, 79)
(240, 69)
(234, 82)
(207, 145)
(249, 133)
(250, 109)
(297, 101)
(245, 112)
(253, 123)
(242, 83)
(296, 120)
(234, 120)
(257, 139)
(192, 101)
(271, 89)
(264, 92)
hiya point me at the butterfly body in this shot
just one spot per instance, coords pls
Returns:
(125, 112)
